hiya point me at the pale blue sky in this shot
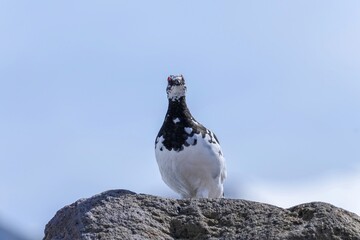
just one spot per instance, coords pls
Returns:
(82, 95)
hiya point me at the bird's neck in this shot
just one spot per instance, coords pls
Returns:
(178, 108)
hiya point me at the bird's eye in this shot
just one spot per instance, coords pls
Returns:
(169, 79)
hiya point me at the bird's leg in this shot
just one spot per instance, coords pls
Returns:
(202, 193)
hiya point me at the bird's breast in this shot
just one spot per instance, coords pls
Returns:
(199, 153)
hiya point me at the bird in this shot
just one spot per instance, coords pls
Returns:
(188, 154)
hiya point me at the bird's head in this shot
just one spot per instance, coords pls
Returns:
(176, 87)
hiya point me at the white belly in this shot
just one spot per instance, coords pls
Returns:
(195, 171)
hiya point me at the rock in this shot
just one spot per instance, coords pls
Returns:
(121, 214)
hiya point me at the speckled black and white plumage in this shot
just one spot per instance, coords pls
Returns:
(188, 154)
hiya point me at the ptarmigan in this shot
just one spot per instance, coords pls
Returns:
(188, 154)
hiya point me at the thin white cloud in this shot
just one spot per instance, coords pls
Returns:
(341, 190)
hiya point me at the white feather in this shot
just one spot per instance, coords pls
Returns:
(197, 171)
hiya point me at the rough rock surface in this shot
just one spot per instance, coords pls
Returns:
(121, 214)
